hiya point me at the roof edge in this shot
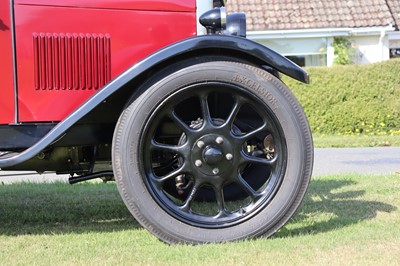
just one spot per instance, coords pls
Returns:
(319, 33)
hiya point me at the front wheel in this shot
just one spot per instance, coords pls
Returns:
(213, 152)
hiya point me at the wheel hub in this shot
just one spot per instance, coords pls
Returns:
(212, 155)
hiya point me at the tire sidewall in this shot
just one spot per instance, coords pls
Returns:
(128, 166)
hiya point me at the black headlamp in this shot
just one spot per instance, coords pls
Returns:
(217, 22)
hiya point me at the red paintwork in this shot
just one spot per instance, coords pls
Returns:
(134, 34)
(71, 61)
(153, 5)
(6, 66)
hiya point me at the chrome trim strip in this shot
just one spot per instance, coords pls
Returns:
(223, 18)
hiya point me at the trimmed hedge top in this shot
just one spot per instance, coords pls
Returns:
(352, 99)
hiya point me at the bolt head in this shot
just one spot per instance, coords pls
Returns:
(229, 156)
(198, 163)
(219, 140)
(215, 171)
(200, 144)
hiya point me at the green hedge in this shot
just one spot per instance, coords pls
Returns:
(352, 99)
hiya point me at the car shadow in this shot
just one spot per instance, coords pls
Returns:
(334, 209)
(59, 208)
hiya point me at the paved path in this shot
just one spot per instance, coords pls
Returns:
(382, 160)
(20, 176)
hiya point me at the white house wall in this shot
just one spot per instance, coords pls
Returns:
(371, 43)
(370, 49)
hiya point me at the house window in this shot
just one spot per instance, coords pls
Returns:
(309, 60)
(304, 52)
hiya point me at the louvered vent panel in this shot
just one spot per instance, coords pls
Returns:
(71, 61)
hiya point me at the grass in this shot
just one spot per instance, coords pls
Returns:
(347, 219)
(352, 141)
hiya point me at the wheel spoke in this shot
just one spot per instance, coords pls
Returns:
(205, 110)
(185, 127)
(253, 133)
(245, 158)
(165, 147)
(235, 110)
(160, 180)
(246, 187)
(186, 205)
(219, 195)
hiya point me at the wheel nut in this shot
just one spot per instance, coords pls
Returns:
(215, 171)
(219, 140)
(229, 156)
(198, 163)
(200, 144)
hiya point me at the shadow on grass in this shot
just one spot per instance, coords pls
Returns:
(60, 208)
(323, 209)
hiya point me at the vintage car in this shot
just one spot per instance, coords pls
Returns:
(166, 97)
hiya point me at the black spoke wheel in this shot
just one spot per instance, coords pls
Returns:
(212, 152)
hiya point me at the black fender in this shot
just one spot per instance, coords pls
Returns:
(250, 49)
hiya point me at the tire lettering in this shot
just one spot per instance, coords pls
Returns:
(257, 87)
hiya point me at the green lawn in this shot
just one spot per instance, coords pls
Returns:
(347, 219)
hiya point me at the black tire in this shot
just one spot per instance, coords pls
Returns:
(213, 128)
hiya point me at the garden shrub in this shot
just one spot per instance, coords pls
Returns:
(352, 99)
(343, 51)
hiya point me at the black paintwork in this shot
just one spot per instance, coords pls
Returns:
(212, 21)
(234, 45)
(15, 137)
(19, 137)
(236, 24)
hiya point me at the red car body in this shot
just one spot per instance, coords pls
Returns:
(57, 43)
